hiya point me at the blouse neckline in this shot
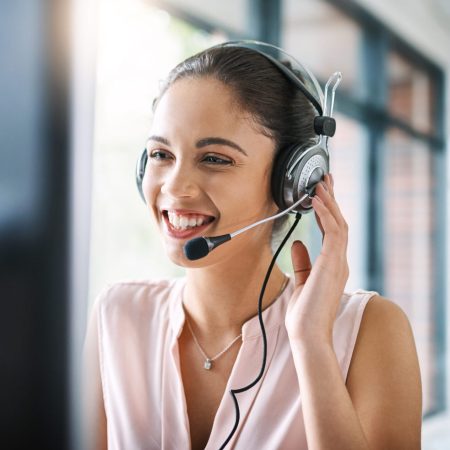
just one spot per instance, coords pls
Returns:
(273, 315)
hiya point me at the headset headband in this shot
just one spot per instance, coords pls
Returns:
(310, 87)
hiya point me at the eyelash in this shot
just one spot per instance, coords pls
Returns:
(223, 163)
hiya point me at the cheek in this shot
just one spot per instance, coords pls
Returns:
(150, 188)
(259, 185)
(148, 185)
(250, 197)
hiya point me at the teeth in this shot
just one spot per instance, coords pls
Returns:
(181, 222)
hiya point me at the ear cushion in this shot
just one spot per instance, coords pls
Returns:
(283, 160)
(309, 172)
(279, 171)
(140, 172)
(306, 174)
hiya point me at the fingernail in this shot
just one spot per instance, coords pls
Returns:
(324, 185)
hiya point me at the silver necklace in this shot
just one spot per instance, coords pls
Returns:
(208, 361)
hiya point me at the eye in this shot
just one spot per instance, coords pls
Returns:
(158, 155)
(215, 160)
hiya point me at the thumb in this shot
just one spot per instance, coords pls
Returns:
(300, 262)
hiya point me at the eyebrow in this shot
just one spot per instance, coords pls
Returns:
(204, 142)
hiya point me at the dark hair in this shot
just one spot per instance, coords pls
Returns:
(276, 106)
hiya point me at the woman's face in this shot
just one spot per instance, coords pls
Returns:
(206, 157)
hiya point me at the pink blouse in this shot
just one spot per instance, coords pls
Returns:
(139, 323)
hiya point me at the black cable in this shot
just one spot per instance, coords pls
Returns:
(263, 366)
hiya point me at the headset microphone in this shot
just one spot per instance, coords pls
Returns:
(199, 247)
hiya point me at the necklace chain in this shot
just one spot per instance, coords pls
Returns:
(208, 361)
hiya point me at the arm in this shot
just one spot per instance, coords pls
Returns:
(384, 378)
(380, 409)
(93, 411)
(381, 406)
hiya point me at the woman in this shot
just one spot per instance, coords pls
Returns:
(161, 355)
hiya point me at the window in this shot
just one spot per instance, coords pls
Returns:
(229, 16)
(410, 93)
(138, 45)
(409, 252)
(385, 157)
(324, 39)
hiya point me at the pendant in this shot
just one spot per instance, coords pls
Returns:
(208, 364)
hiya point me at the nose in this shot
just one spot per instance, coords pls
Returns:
(179, 182)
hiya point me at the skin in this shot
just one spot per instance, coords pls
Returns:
(379, 405)
(237, 194)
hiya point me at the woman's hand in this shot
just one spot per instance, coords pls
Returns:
(314, 303)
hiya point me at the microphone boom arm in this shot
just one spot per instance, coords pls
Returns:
(269, 218)
(200, 246)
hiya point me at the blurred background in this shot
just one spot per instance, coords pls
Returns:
(77, 82)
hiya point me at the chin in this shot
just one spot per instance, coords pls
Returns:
(176, 254)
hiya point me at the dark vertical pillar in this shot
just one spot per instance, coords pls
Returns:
(264, 19)
(34, 223)
(439, 239)
(373, 61)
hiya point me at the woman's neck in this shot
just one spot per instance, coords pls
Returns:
(219, 299)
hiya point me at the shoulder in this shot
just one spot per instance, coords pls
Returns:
(118, 290)
(384, 328)
(371, 312)
(135, 295)
(384, 325)
(380, 310)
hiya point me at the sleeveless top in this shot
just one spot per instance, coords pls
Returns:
(139, 323)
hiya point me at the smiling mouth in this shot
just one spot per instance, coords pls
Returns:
(186, 227)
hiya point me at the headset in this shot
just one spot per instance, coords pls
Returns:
(295, 174)
(296, 170)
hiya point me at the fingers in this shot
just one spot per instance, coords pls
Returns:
(317, 216)
(327, 197)
(301, 262)
(329, 212)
